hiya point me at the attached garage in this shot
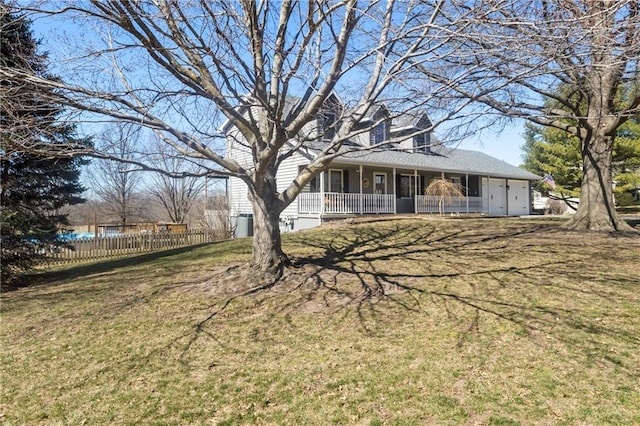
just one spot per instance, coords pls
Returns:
(506, 197)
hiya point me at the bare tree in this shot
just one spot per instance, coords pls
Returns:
(573, 65)
(176, 194)
(267, 67)
(111, 181)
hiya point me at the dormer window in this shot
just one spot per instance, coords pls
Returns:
(379, 133)
(422, 142)
(328, 123)
(329, 118)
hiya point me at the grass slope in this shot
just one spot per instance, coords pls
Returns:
(498, 322)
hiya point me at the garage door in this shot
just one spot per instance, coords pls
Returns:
(518, 198)
(497, 197)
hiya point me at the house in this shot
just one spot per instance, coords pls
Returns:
(388, 180)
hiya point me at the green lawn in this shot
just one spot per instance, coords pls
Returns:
(484, 321)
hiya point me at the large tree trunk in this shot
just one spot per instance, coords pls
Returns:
(596, 211)
(268, 260)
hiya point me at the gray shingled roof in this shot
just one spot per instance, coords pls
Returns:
(442, 159)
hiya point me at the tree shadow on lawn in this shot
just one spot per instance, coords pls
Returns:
(508, 272)
(549, 283)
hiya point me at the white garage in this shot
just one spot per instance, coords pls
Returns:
(506, 197)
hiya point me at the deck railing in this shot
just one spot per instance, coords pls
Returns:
(125, 244)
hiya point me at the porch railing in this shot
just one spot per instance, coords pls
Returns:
(341, 203)
(431, 204)
(309, 202)
(377, 203)
(354, 203)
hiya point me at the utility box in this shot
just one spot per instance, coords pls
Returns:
(245, 225)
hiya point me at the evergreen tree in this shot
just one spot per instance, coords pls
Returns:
(626, 158)
(549, 150)
(33, 188)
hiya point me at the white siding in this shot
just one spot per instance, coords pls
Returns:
(286, 173)
(406, 144)
(362, 138)
(238, 201)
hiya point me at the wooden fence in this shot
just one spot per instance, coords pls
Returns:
(123, 245)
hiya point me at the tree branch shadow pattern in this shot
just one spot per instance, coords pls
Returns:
(435, 266)
(473, 273)
(470, 273)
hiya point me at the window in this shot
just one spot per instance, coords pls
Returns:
(421, 143)
(329, 118)
(380, 183)
(457, 180)
(314, 185)
(335, 180)
(379, 133)
(407, 187)
(328, 123)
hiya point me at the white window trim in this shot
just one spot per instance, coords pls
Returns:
(383, 125)
(341, 180)
(375, 174)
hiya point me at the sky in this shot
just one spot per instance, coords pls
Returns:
(505, 145)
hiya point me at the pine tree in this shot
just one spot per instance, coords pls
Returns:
(551, 151)
(548, 150)
(34, 187)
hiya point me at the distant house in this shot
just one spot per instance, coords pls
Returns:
(388, 180)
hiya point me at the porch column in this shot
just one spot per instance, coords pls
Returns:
(442, 175)
(466, 191)
(361, 177)
(322, 193)
(395, 197)
(415, 190)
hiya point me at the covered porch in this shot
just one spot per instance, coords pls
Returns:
(352, 190)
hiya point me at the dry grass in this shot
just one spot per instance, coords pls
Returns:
(385, 322)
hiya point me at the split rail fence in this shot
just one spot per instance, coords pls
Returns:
(122, 245)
